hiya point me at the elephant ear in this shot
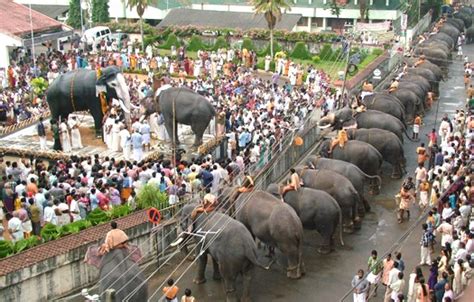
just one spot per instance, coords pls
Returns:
(107, 74)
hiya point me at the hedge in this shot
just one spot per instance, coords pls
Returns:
(172, 40)
(377, 51)
(326, 52)
(195, 44)
(266, 51)
(221, 42)
(300, 51)
(248, 44)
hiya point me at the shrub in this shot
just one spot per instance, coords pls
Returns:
(25, 244)
(195, 44)
(316, 59)
(6, 249)
(326, 52)
(377, 51)
(150, 196)
(221, 42)
(119, 211)
(336, 55)
(97, 216)
(49, 232)
(266, 51)
(300, 51)
(248, 44)
(150, 39)
(170, 41)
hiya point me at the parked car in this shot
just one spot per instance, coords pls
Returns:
(94, 35)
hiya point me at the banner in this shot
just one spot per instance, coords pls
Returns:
(381, 26)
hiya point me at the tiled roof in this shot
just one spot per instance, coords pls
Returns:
(63, 245)
(15, 19)
(219, 19)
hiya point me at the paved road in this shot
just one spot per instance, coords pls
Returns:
(328, 276)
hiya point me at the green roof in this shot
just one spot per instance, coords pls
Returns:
(378, 4)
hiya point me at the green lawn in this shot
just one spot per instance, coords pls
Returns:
(330, 67)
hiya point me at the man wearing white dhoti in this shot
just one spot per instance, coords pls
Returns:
(137, 146)
(64, 135)
(162, 133)
(153, 121)
(145, 132)
(76, 140)
(115, 136)
(109, 122)
(125, 141)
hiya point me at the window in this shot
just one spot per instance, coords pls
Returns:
(316, 22)
(303, 21)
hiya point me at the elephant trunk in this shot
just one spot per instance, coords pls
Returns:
(327, 121)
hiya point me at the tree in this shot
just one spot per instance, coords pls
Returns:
(271, 10)
(100, 11)
(74, 15)
(140, 6)
(364, 11)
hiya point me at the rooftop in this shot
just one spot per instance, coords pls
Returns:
(15, 20)
(219, 19)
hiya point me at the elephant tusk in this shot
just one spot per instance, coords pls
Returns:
(124, 108)
(177, 242)
(324, 127)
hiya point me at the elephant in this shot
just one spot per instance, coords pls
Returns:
(340, 188)
(385, 102)
(450, 30)
(386, 143)
(184, 106)
(458, 23)
(440, 74)
(232, 248)
(435, 55)
(415, 89)
(365, 119)
(361, 154)
(355, 175)
(451, 41)
(79, 90)
(317, 210)
(470, 35)
(274, 223)
(411, 102)
(428, 75)
(118, 271)
(433, 43)
(465, 16)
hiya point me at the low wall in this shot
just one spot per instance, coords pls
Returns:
(55, 269)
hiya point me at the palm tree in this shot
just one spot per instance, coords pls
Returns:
(271, 10)
(140, 6)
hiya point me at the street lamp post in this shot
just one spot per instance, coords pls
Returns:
(32, 41)
(82, 22)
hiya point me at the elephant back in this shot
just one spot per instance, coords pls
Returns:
(122, 274)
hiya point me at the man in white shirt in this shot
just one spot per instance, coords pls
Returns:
(392, 278)
(14, 226)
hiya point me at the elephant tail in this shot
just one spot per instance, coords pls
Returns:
(408, 136)
(339, 218)
(251, 255)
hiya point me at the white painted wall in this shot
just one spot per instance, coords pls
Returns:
(5, 42)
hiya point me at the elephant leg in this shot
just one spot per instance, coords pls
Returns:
(365, 202)
(361, 206)
(348, 226)
(217, 273)
(293, 271)
(396, 171)
(246, 281)
(198, 129)
(201, 272)
(326, 233)
(229, 281)
(169, 129)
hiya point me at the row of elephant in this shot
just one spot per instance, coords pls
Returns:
(331, 197)
(409, 99)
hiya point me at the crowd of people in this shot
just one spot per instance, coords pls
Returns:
(253, 112)
(444, 190)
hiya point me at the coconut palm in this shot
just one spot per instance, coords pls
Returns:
(271, 9)
(140, 6)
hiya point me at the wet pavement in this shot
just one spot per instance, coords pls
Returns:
(328, 277)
